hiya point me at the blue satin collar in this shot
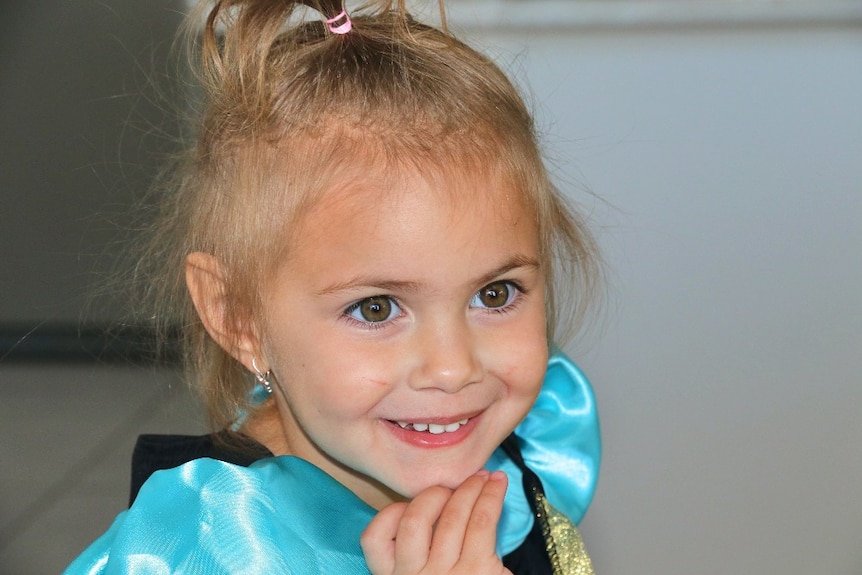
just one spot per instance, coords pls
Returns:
(280, 515)
(561, 443)
(212, 517)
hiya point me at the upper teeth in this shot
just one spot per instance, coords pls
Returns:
(434, 428)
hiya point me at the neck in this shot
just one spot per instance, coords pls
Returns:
(265, 427)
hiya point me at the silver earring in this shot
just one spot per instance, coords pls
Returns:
(262, 378)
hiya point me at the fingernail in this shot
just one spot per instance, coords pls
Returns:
(498, 475)
(483, 473)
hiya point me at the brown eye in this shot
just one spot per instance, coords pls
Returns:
(374, 309)
(495, 295)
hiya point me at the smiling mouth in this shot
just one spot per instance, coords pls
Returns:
(432, 428)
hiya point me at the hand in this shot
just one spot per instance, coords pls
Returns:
(440, 532)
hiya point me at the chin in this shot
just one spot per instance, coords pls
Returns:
(451, 480)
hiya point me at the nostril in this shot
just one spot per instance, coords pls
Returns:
(447, 359)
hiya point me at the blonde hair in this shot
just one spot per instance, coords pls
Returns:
(289, 109)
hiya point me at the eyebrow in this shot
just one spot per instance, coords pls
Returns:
(516, 262)
(361, 281)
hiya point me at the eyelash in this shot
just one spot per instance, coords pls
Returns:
(513, 301)
(347, 314)
(510, 305)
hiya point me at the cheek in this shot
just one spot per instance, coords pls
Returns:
(351, 394)
(525, 348)
(530, 374)
(527, 364)
(340, 380)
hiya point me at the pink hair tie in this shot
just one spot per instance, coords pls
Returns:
(342, 28)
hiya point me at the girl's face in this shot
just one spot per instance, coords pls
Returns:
(406, 329)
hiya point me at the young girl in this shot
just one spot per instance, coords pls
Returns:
(366, 253)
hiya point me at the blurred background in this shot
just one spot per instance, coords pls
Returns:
(716, 148)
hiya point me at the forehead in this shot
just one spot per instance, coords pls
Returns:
(404, 221)
(370, 193)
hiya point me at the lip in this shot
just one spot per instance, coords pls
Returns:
(430, 440)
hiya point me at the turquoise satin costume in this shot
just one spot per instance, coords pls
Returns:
(284, 515)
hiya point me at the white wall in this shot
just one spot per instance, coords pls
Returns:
(727, 162)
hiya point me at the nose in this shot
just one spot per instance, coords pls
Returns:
(447, 358)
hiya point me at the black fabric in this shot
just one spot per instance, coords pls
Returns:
(531, 557)
(155, 452)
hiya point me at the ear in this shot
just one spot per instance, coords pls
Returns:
(206, 285)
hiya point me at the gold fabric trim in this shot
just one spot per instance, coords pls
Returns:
(563, 540)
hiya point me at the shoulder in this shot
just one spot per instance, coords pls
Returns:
(210, 516)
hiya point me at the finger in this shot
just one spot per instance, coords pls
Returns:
(481, 535)
(448, 541)
(378, 539)
(416, 528)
